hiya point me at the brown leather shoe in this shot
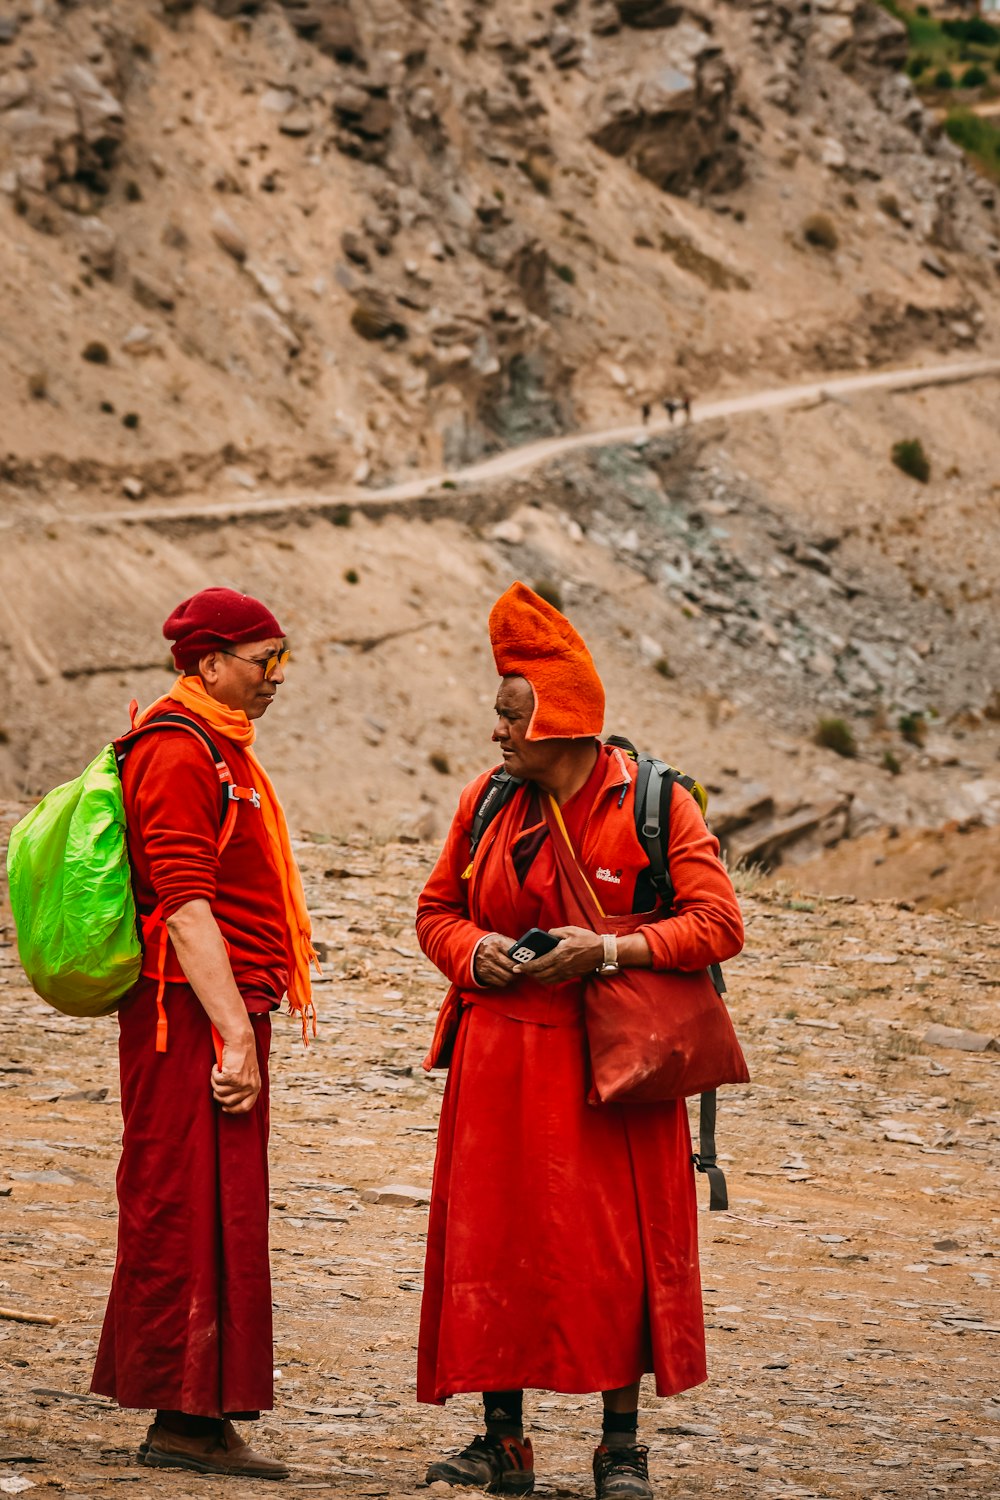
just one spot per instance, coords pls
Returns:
(223, 1454)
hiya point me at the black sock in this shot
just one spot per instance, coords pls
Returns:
(184, 1425)
(621, 1429)
(504, 1413)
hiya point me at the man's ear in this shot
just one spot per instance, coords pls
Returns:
(208, 667)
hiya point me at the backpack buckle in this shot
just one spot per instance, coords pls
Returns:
(244, 794)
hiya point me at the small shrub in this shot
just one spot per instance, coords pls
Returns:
(979, 30)
(38, 385)
(549, 591)
(974, 77)
(891, 763)
(567, 274)
(978, 136)
(913, 728)
(4, 736)
(889, 205)
(909, 456)
(943, 79)
(836, 735)
(130, 420)
(662, 666)
(341, 516)
(439, 762)
(819, 230)
(96, 353)
(747, 878)
(918, 64)
(351, 575)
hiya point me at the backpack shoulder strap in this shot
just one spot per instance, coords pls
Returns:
(654, 788)
(230, 794)
(496, 794)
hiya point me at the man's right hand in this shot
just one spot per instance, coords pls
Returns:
(493, 968)
(236, 1084)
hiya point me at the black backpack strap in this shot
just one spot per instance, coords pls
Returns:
(229, 794)
(654, 790)
(705, 1158)
(499, 790)
(620, 742)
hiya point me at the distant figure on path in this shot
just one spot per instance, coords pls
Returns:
(562, 1248)
(188, 1326)
(646, 412)
(673, 404)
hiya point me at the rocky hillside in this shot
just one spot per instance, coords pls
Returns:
(337, 238)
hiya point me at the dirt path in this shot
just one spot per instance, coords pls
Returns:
(851, 1292)
(531, 455)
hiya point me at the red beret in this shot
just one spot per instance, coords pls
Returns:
(533, 640)
(213, 616)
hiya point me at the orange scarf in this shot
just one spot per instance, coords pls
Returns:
(233, 724)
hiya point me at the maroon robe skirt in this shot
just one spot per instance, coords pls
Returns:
(188, 1325)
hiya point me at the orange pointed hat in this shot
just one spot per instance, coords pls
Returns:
(531, 639)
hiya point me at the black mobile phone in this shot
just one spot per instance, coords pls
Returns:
(534, 943)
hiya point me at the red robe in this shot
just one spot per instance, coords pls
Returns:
(562, 1249)
(188, 1324)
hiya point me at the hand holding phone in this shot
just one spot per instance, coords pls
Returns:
(533, 944)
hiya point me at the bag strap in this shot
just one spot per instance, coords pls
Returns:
(232, 796)
(705, 1159)
(569, 864)
(654, 791)
(499, 790)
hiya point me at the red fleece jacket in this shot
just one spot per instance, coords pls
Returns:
(706, 928)
(172, 804)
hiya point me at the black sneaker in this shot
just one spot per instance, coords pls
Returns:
(622, 1473)
(499, 1466)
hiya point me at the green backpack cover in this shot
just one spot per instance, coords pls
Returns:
(71, 894)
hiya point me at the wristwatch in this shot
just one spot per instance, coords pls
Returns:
(610, 965)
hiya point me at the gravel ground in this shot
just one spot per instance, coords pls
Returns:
(849, 1293)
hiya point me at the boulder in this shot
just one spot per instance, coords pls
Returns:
(649, 14)
(867, 37)
(272, 330)
(365, 119)
(62, 136)
(565, 47)
(328, 24)
(98, 245)
(228, 235)
(790, 839)
(149, 291)
(375, 315)
(671, 117)
(14, 89)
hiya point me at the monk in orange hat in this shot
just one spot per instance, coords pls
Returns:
(562, 1247)
(188, 1327)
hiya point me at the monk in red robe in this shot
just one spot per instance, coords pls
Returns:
(188, 1326)
(562, 1246)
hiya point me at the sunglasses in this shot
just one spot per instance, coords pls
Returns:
(268, 665)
